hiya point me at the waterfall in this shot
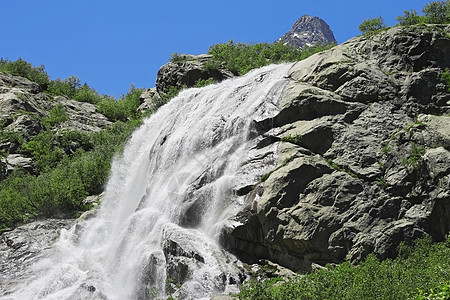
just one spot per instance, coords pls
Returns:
(170, 193)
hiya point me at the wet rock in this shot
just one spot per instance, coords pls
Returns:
(183, 263)
(23, 246)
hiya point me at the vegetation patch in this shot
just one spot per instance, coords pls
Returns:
(57, 115)
(436, 12)
(239, 58)
(446, 77)
(296, 139)
(339, 168)
(418, 272)
(414, 158)
(24, 69)
(204, 82)
(371, 26)
(123, 109)
(64, 176)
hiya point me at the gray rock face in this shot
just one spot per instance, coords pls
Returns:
(82, 116)
(185, 71)
(369, 166)
(308, 31)
(148, 100)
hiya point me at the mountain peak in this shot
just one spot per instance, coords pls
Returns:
(307, 31)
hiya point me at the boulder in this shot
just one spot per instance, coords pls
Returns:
(149, 100)
(186, 70)
(14, 161)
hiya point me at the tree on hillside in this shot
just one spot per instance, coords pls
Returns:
(371, 25)
(436, 12)
(409, 18)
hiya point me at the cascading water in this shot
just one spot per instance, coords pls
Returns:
(168, 197)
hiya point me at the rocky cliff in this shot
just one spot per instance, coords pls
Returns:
(308, 31)
(363, 137)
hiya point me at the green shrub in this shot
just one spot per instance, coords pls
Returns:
(44, 150)
(410, 18)
(372, 25)
(22, 68)
(164, 98)
(57, 115)
(86, 94)
(414, 158)
(446, 77)
(123, 109)
(12, 136)
(67, 87)
(423, 266)
(71, 88)
(441, 293)
(204, 82)
(296, 139)
(436, 12)
(178, 57)
(13, 208)
(240, 58)
(71, 140)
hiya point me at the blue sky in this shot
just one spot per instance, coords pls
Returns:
(112, 44)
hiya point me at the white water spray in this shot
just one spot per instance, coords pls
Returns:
(168, 197)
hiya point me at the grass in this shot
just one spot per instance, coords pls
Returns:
(418, 271)
(294, 139)
(336, 167)
(414, 158)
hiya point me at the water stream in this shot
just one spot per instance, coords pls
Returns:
(169, 195)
